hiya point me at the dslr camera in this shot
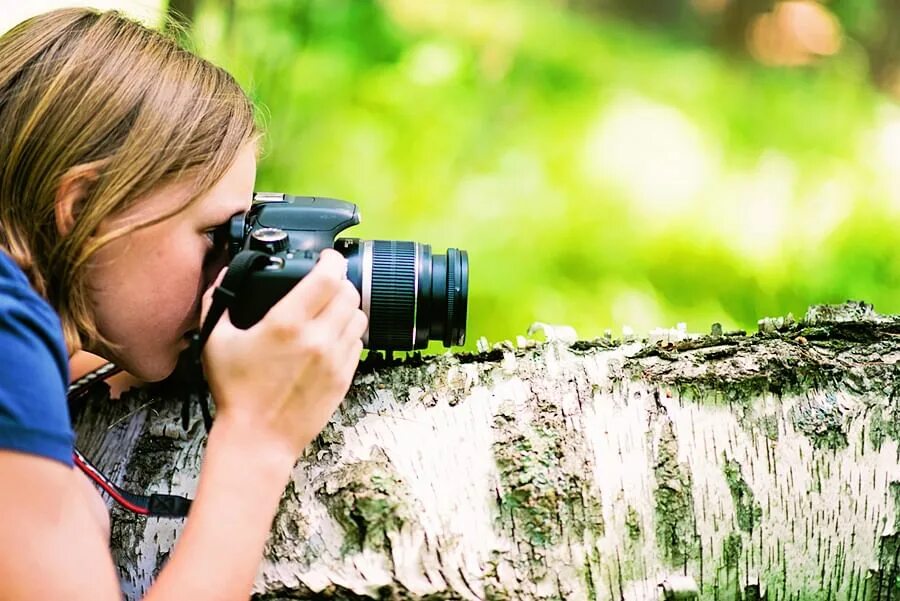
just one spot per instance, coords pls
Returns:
(410, 294)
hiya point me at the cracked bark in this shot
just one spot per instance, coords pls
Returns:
(725, 466)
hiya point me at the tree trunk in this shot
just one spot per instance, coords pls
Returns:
(722, 466)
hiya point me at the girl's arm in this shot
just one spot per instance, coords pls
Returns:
(218, 554)
(50, 545)
(53, 549)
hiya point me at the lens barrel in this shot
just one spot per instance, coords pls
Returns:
(410, 295)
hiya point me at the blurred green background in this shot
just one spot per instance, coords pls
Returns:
(604, 162)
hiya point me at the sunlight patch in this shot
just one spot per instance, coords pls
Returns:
(431, 63)
(755, 218)
(880, 148)
(147, 11)
(653, 152)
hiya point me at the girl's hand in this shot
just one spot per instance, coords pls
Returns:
(284, 377)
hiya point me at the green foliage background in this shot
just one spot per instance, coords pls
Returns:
(599, 174)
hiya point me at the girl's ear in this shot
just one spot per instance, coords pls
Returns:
(74, 186)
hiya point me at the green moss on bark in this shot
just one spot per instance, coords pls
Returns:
(821, 418)
(675, 533)
(886, 579)
(538, 495)
(883, 424)
(530, 494)
(633, 523)
(547, 488)
(731, 550)
(747, 509)
(368, 500)
(769, 425)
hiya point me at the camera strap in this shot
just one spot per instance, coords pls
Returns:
(153, 505)
(243, 264)
(161, 505)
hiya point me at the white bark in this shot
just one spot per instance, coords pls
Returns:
(719, 467)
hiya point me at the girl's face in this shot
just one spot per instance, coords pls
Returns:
(145, 287)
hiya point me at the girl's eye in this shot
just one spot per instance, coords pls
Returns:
(216, 236)
(216, 244)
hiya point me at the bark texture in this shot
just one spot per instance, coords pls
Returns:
(724, 466)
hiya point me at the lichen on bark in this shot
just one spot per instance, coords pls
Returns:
(633, 523)
(747, 509)
(674, 503)
(822, 419)
(731, 550)
(368, 500)
(886, 579)
(545, 477)
(290, 524)
(537, 492)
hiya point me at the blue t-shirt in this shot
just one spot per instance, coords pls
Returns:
(34, 371)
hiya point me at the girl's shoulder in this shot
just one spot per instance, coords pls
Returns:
(12, 279)
(34, 371)
(14, 285)
(17, 296)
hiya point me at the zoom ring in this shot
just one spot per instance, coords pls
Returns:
(393, 295)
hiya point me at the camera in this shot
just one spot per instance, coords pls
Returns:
(410, 294)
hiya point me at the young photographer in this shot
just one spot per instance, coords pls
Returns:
(119, 153)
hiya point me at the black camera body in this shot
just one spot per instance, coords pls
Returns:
(410, 295)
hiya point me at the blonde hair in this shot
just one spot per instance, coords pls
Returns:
(95, 90)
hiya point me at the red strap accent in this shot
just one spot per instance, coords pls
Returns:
(107, 487)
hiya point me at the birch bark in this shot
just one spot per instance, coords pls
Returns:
(724, 466)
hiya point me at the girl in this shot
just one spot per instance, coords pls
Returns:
(119, 153)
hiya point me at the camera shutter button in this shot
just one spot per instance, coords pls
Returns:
(269, 239)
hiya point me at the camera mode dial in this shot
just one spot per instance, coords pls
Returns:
(269, 240)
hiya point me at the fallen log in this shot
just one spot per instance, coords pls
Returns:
(720, 466)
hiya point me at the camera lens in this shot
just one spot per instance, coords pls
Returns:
(410, 295)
